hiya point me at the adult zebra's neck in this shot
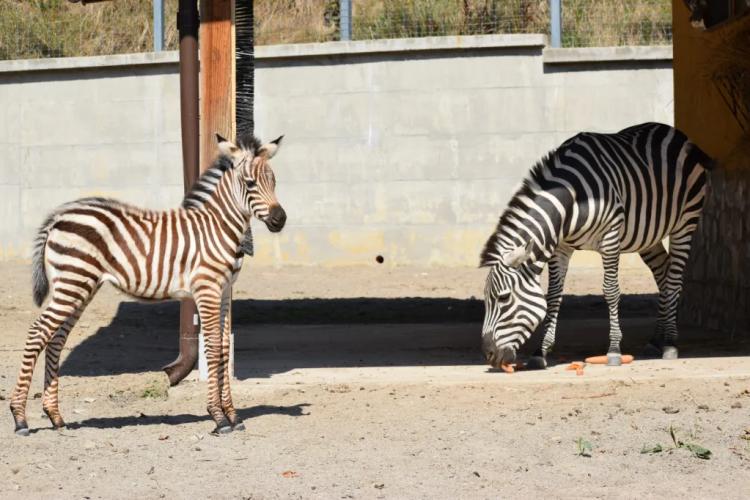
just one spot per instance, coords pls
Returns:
(533, 219)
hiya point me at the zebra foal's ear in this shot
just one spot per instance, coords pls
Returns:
(514, 258)
(226, 147)
(269, 150)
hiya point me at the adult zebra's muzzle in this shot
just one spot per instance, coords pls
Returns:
(276, 219)
(497, 356)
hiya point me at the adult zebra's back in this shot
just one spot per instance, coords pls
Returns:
(190, 251)
(612, 193)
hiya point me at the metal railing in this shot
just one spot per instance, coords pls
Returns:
(59, 28)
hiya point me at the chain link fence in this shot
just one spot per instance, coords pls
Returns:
(58, 28)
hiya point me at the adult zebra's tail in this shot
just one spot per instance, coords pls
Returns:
(39, 281)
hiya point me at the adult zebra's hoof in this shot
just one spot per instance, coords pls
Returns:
(652, 351)
(536, 363)
(22, 431)
(614, 359)
(670, 352)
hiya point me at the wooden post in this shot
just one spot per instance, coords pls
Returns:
(217, 87)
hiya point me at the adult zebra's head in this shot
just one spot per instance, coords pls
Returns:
(256, 190)
(513, 299)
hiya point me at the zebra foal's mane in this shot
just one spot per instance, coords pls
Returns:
(207, 182)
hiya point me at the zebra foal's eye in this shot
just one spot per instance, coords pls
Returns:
(504, 295)
(250, 184)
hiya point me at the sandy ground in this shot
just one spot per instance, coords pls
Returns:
(367, 383)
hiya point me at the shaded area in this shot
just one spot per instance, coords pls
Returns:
(275, 336)
(297, 410)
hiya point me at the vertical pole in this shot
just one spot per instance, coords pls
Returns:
(158, 25)
(555, 22)
(187, 25)
(345, 19)
(217, 79)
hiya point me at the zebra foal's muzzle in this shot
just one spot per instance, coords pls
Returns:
(276, 219)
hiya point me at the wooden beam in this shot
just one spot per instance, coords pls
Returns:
(217, 89)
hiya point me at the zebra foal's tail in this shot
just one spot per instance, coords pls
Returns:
(39, 281)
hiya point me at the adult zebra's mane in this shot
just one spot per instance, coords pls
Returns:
(491, 254)
(207, 182)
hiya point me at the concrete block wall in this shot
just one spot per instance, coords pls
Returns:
(408, 149)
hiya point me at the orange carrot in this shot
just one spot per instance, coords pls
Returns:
(508, 368)
(602, 360)
(575, 365)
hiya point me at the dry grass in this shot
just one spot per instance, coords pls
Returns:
(57, 28)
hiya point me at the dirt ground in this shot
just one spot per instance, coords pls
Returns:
(367, 383)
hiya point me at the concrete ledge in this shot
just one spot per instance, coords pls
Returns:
(400, 45)
(299, 50)
(607, 54)
(66, 63)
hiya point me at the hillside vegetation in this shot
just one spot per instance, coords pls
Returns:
(57, 28)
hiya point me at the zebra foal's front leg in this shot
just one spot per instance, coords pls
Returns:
(208, 300)
(558, 268)
(610, 252)
(226, 336)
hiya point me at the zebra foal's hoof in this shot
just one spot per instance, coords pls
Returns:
(614, 359)
(22, 431)
(238, 426)
(670, 352)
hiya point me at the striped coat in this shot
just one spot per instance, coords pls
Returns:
(612, 193)
(192, 251)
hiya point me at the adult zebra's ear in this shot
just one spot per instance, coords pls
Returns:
(226, 147)
(514, 258)
(270, 149)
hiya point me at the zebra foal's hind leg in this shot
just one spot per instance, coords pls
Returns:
(558, 268)
(55, 316)
(658, 260)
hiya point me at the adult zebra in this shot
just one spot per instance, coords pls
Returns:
(154, 255)
(613, 193)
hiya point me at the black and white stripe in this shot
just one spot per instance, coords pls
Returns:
(190, 251)
(612, 193)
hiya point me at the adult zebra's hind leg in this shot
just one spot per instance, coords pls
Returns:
(679, 251)
(657, 259)
(558, 268)
(610, 252)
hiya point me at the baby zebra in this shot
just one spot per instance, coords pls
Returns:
(613, 193)
(153, 255)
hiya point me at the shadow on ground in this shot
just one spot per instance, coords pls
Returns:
(278, 336)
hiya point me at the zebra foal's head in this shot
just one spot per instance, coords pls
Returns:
(256, 189)
(513, 299)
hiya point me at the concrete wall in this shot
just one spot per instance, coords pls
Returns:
(407, 149)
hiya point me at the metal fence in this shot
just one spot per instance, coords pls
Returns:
(58, 28)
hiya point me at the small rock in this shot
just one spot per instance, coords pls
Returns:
(37, 395)
(163, 437)
(15, 470)
(670, 410)
(78, 411)
(703, 407)
(89, 400)
(736, 405)
(2, 398)
(151, 470)
(379, 486)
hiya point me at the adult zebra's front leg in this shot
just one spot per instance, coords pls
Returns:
(208, 299)
(558, 268)
(610, 252)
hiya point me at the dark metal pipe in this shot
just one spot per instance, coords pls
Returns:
(187, 25)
